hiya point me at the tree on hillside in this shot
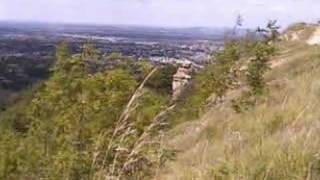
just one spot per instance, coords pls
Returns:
(224, 70)
(260, 53)
(86, 124)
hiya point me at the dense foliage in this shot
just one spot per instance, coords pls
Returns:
(85, 123)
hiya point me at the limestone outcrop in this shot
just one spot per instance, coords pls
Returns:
(292, 36)
(315, 38)
(181, 79)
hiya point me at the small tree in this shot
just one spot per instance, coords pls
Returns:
(225, 70)
(260, 53)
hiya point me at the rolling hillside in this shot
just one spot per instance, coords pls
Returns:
(278, 139)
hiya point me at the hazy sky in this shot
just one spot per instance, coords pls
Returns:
(160, 12)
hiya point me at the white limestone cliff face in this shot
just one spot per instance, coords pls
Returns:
(315, 38)
(292, 36)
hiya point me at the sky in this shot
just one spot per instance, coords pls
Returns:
(166, 13)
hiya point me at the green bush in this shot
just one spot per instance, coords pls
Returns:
(65, 129)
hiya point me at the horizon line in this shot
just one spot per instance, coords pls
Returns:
(109, 24)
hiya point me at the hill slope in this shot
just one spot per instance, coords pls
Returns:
(279, 139)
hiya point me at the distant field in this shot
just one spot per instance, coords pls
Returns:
(135, 32)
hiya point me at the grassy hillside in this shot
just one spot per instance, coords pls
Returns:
(278, 139)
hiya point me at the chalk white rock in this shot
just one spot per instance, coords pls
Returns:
(315, 38)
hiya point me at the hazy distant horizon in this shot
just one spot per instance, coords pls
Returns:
(159, 13)
(107, 25)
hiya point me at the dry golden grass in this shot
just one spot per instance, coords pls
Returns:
(278, 140)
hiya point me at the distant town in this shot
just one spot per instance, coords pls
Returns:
(156, 44)
(27, 50)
